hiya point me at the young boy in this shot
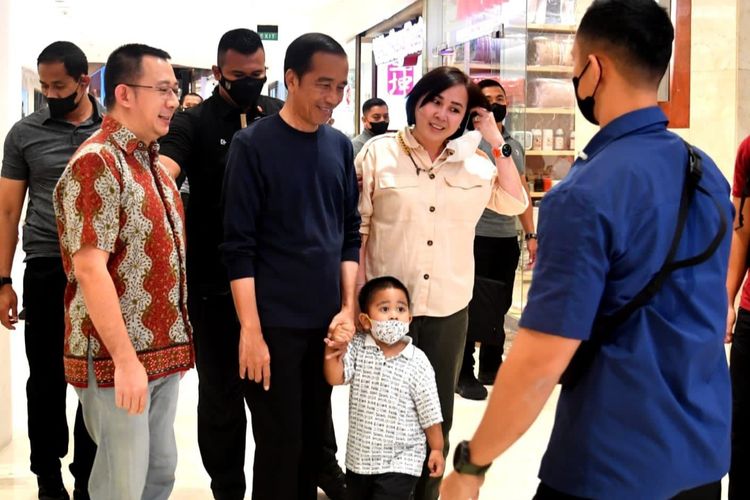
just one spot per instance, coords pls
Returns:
(393, 401)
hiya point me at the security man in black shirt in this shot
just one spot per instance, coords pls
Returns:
(197, 144)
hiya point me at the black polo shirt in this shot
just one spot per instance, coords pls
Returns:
(198, 140)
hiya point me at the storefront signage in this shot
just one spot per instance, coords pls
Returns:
(268, 31)
(396, 45)
(400, 79)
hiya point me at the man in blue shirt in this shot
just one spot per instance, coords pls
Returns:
(649, 417)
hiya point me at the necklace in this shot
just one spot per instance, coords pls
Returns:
(406, 149)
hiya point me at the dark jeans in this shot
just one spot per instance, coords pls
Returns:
(710, 491)
(739, 370)
(442, 340)
(390, 486)
(497, 259)
(43, 291)
(290, 418)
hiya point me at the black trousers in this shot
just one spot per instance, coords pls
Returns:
(390, 486)
(289, 419)
(739, 370)
(43, 291)
(222, 423)
(497, 259)
(710, 491)
(442, 340)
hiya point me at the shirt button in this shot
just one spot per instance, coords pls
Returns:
(426, 276)
(429, 243)
(432, 209)
(432, 176)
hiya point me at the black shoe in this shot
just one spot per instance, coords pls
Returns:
(487, 378)
(469, 388)
(333, 483)
(51, 488)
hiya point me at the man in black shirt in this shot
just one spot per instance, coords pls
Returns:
(197, 144)
(291, 248)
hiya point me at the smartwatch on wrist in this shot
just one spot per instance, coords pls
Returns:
(530, 236)
(5, 280)
(462, 461)
(502, 151)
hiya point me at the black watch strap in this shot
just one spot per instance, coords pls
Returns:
(530, 236)
(462, 461)
(5, 280)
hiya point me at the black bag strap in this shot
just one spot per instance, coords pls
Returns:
(604, 325)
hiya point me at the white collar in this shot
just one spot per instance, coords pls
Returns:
(407, 352)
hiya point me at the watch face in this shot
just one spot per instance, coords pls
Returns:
(506, 150)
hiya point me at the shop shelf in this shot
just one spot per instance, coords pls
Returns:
(543, 111)
(561, 152)
(552, 28)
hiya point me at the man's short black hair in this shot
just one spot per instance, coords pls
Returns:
(489, 82)
(637, 34)
(371, 103)
(434, 83)
(300, 52)
(182, 99)
(124, 66)
(245, 41)
(69, 54)
(367, 294)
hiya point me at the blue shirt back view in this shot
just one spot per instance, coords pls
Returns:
(651, 416)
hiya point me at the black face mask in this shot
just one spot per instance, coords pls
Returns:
(586, 105)
(60, 107)
(378, 128)
(499, 111)
(243, 91)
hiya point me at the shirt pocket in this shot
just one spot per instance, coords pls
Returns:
(466, 196)
(396, 198)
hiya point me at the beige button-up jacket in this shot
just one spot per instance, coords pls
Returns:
(419, 220)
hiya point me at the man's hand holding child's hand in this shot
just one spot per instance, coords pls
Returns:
(339, 339)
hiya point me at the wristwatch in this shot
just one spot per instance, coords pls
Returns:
(462, 461)
(5, 280)
(530, 236)
(505, 150)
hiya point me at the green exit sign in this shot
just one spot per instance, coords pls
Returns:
(268, 32)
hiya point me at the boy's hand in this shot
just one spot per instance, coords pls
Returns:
(334, 352)
(340, 336)
(344, 317)
(436, 463)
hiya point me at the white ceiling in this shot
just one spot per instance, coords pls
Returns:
(188, 30)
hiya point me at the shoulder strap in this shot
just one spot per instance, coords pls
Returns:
(604, 325)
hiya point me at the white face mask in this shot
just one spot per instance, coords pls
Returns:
(389, 332)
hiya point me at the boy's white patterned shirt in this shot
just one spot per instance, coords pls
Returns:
(391, 402)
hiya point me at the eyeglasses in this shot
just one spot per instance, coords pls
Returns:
(164, 92)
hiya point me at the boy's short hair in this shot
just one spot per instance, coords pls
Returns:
(375, 285)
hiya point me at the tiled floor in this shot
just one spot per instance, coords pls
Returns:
(512, 477)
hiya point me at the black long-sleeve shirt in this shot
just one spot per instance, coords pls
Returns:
(291, 219)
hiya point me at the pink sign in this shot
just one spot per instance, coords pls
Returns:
(400, 79)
